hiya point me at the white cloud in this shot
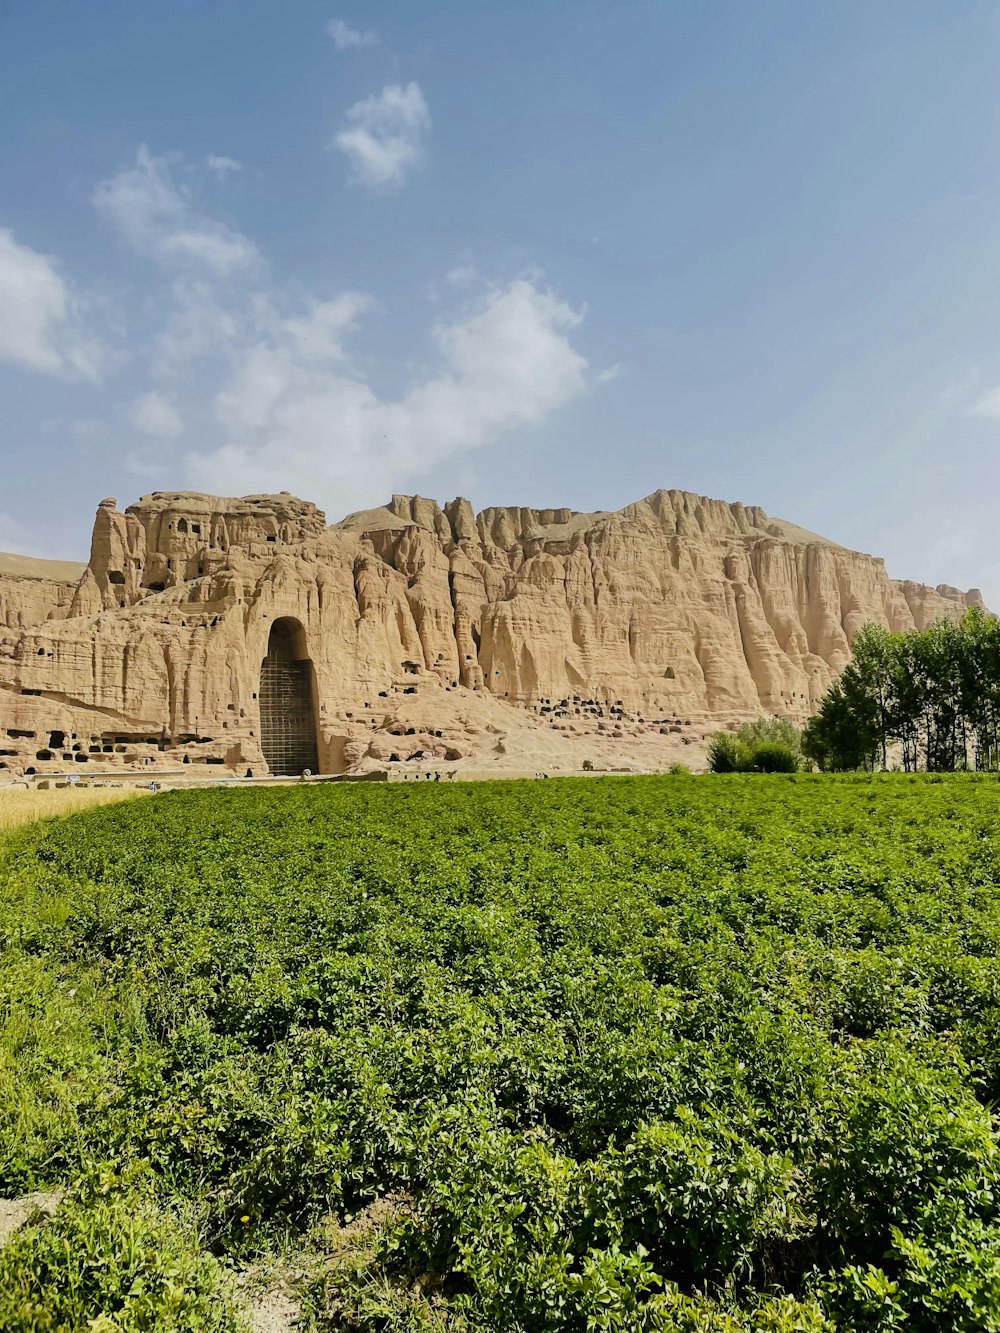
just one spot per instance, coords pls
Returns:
(41, 327)
(463, 274)
(269, 377)
(199, 326)
(384, 133)
(157, 218)
(988, 406)
(350, 39)
(611, 373)
(222, 250)
(154, 414)
(222, 166)
(318, 335)
(295, 421)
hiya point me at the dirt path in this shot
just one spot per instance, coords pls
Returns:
(15, 1212)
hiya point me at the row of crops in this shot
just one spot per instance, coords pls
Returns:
(599, 1054)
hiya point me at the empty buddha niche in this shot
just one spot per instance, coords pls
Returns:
(287, 714)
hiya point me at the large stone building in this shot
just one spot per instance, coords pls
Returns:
(245, 633)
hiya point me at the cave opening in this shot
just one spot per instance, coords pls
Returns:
(287, 707)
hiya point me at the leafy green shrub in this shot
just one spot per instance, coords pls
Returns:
(112, 1266)
(772, 731)
(770, 757)
(768, 745)
(727, 754)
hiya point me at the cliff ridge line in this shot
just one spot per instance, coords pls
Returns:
(410, 632)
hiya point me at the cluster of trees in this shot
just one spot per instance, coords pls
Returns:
(923, 699)
(769, 745)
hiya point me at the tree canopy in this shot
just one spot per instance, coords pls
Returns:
(921, 699)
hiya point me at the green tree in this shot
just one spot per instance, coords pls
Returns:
(871, 678)
(933, 693)
(908, 699)
(771, 731)
(979, 685)
(840, 736)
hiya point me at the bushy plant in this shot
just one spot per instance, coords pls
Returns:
(767, 745)
(771, 757)
(112, 1266)
(772, 731)
(727, 754)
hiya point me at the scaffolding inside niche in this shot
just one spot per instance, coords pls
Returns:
(287, 715)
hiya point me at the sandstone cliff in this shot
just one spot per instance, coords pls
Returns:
(33, 590)
(414, 633)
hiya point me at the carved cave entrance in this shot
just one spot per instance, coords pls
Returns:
(287, 712)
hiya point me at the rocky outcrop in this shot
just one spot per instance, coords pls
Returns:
(35, 590)
(428, 632)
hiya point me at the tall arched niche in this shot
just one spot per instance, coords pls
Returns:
(287, 701)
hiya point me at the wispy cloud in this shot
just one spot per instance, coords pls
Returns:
(41, 322)
(346, 38)
(222, 166)
(464, 273)
(318, 335)
(988, 406)
(157, 218)
(154, 414)
(298, 422)
(267, 373)
(383, 137)
(201, 323)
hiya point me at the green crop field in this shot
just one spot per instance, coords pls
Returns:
(600, 1054)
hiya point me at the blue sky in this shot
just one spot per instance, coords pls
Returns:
(543, 253)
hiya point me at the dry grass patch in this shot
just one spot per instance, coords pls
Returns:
(20, 805)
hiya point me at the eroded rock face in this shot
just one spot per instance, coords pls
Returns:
(431, 632)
